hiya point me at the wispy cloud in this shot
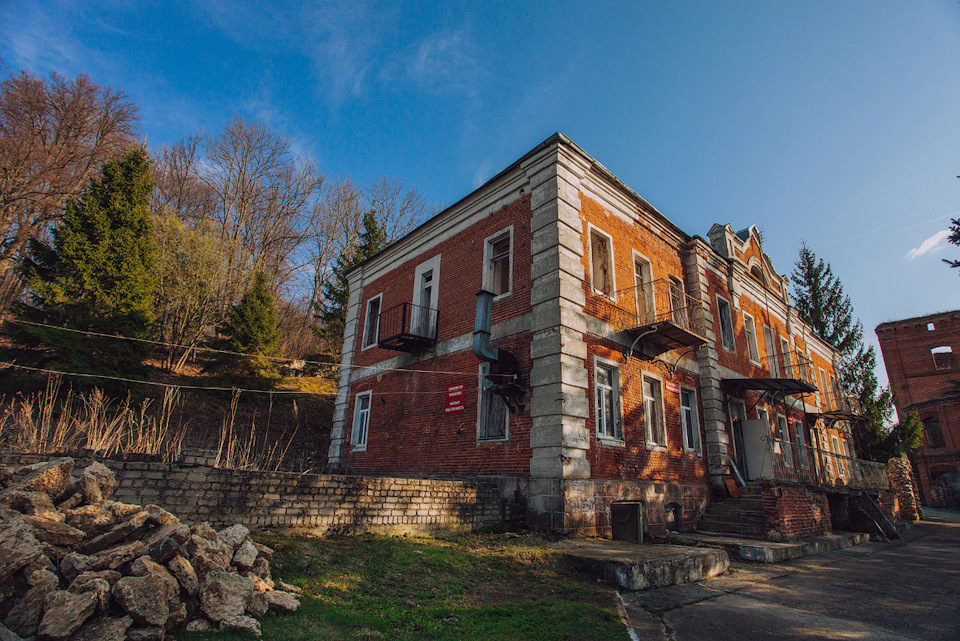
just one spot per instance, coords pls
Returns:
(931, 244)
(40, 41)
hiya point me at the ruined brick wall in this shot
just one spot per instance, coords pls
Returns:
(318, 503)
(902, 485)
(795, 512)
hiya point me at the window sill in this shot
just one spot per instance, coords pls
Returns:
(504, 439)
(367, 347)
(500, 297)
(656, 448)
(358, 448)
(611, 441)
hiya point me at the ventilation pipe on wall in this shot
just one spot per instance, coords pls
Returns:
(504, 367)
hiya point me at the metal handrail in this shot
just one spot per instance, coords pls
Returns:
(792, 462)
(662, 300)
(407, 319)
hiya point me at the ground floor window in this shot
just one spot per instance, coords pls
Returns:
(492, 411)
(688, 420)
(361, 419)
(607, 384)
(653, 412)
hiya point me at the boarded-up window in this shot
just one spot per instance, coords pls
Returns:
(934, 433)
(601, 260)
(942, 357)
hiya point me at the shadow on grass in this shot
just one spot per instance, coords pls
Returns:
(495, 586)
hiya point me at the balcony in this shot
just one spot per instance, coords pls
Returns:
(408, 328)
(793, 463)
(660, 311)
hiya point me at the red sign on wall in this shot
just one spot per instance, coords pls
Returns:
(455, 398)
(673, 387)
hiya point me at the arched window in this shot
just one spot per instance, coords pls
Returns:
(931, 427)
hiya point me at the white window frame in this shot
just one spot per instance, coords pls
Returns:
(616, 435)
(692, 424)
(787, 357)
(763, 415)
(649, 297)
(368, 319)
(481, 393)
(359, 416)
(783, 433)
(770, 345)
(488, 267)
(750, 331)
(432, 265)
(825, 395)
(613, 264)
(841, 463)
(723, 336)
(648, 435)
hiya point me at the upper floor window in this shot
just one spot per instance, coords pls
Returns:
(934, 433)
(371, 322)
(607, 383)
(787, 359)
(601, 263)
(942, 357)
(771, 347)
(498, 270)
(750, 329)
(425, 296)
(643, 289)
(726, 325)
(654, 426)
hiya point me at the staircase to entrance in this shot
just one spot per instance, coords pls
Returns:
(742, 517)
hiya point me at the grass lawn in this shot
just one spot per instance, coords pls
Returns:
(475, 586)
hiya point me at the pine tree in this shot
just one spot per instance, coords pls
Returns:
(819, 298)
(820, 301)
(96, 275)
(332, 315)
(250, 327)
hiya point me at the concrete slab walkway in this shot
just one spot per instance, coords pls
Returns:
(761, 551)
(639, 566)
(904, 590)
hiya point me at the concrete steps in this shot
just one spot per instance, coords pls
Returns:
(739, 517)
(771, 551)
(643, 566)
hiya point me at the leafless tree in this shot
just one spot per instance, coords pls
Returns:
(399, 210)
(54, 136)
(179, 189)
(266, 198)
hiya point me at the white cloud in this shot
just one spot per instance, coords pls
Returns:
(931, 244)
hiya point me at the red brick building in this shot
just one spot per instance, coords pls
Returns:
(616, 365)
(920, 357)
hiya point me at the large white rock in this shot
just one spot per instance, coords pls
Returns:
(225, 594)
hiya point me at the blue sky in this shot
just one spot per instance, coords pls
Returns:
(832, 122)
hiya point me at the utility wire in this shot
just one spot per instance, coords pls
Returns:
(223, 351)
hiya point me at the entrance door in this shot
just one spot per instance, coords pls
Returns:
(738, 416)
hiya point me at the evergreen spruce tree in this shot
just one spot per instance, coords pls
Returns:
(332, 315)
(96, 274)
(821, 302)
(250, 327)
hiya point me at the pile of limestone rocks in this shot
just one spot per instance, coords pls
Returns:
(77, 566)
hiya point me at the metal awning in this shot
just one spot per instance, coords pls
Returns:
(836, 415)
(736, 386)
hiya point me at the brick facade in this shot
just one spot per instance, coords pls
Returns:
(581, 243)
(922, 358)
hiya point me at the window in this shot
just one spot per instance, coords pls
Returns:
(750, 329)
(763, 416)
(678, 303)
(361, 420)
(931, 327)
(607, 383)
(688, 420)
(783, 433)
(825, 394)
(423, 320)
(834, 392)
(643, 283)
(492, 412)
(942, 357)
(771, 347)
(371, 322)
(934, 433)
(787, 360)
(798, 432)
(653, 413)
(498, 272)
(839, 452)
(601, 263)
(726, 325)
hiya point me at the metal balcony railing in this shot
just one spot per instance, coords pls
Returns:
(661, 305)
(408, 328)
(791, 462)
